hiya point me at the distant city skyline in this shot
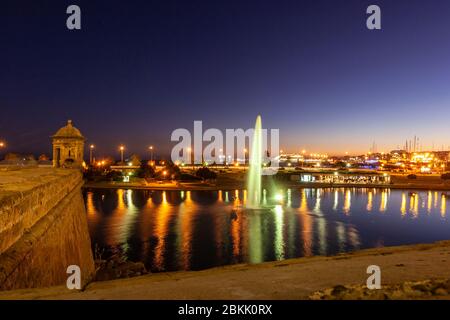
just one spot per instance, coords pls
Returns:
(163, 150)
(154, 151)
(137, 71)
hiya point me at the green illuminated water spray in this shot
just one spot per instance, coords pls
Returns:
(255, 162)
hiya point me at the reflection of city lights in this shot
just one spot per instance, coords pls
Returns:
(384, 200)
(307, 224)
(347, 202)
(403, 205)
(282, 230)
(279, 241)
(430, 201)
(369, 201)
(414, 204)
(336, 200)
(161, 230)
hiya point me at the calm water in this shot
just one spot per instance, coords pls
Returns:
(191, 230)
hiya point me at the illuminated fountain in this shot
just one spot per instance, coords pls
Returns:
(255, 161)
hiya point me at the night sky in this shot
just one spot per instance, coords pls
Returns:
(140, 69)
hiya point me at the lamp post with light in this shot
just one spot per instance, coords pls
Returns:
(151, 153)
(245, 158)
(121, 148)
(2, 145)
(303, 157)
(189, 150)
(91, 151)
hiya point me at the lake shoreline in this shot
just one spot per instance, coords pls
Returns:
(242, 186)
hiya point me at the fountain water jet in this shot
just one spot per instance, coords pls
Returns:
(255, 162)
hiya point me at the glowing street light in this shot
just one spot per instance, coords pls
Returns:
(91, 150)
(2, 144)
(245, 157)
(121, 148)
(151, 152)
(189, 150)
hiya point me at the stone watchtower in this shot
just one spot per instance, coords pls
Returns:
(68, 147)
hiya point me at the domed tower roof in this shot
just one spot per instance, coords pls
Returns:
(69, 131)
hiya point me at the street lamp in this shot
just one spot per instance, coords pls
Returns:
(245, 158)
(91, 150)
(189, 150)
(151, 153)
(121, 148)
(303, 157)
(2, 145)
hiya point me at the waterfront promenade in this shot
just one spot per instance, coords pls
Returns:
(237, 181)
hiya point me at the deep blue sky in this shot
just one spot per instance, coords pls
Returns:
(139, 69)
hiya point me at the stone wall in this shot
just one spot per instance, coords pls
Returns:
(43, 228)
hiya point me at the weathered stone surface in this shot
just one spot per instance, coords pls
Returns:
(43, 228)
(427, 289)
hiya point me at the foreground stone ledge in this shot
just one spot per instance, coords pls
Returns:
(288, 279)
(43, 228)
(27, 195)
(426, 289)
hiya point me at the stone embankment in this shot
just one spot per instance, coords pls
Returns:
(43, 228)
